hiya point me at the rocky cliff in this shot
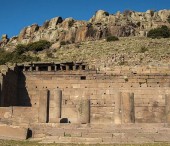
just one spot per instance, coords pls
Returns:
(101, 25)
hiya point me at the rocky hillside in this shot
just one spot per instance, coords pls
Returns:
(128, 51)
(101, 25)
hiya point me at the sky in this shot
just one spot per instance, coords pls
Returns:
(17, 14)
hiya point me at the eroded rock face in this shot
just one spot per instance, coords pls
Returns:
(101, 25)
(4, 40)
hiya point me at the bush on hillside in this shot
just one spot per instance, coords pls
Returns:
(162, 32)
(39, 45)
(168, 19)
(20, 49)
(15, 57)
(127, 12)
(143, 50)
(4, 57)
(112, 38)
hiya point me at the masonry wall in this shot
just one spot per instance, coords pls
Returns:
(18, 115)
(101, 90)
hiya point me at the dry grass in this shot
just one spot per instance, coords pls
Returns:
(127, 51)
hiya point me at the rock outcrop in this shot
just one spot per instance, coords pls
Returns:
(101, 25)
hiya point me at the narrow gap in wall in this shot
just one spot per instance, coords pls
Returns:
(48, 105)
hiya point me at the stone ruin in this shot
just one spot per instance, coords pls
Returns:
(72, 103)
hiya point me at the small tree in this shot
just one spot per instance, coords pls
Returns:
(39, 46)
(127, 13)
(162, 32)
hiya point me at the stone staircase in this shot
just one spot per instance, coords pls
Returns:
(93, 134)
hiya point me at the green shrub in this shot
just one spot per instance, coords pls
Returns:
(64, 42)
(143, 50)
(15, 57)
(168, 19)
(39, 45)
(162, 32)
(19, 54)
(112, 38)
(5, 57)
(20, 49)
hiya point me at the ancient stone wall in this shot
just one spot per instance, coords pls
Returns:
(71, 103)
(142, 96)
(68, 94)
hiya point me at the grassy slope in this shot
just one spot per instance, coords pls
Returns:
(135, 51)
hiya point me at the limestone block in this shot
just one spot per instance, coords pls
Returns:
(167, 102)
(43, 105)
(5, 112)
(117, 112)
(12, 132)
(84, 111)
(150, 114)
(128, 108)
(55, 105)
(30, 115)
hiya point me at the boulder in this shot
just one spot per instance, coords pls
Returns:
(4, 40)
(56, 45)
(54, 21)
(100, 16)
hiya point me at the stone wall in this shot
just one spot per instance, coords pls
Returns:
(71, 103)
(51, 94)
(18, 115)
(142, 94)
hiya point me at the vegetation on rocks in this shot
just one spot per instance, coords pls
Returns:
(127, 51)
(112, 38)
(162, 32)
(143, 49)
(20, 54)
(15, 57)
(38, 46)
(168, 19)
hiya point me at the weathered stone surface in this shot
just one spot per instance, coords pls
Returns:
(55, 106)
(125, 105)
(43, 106)
(13, 132)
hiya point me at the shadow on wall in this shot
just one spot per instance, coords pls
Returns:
(64, 120)
(23, 96)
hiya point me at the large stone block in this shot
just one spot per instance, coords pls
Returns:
(167, 102)
(117, 112)
(13, 133)
(128, 114)
(84, 111)
(43, 106)
(55, 106)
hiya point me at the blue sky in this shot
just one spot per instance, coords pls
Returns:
(16, 14)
